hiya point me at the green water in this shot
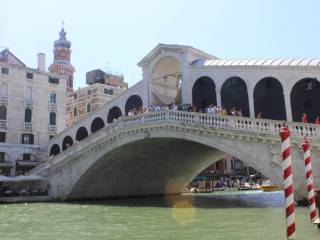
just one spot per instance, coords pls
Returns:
(206, 216)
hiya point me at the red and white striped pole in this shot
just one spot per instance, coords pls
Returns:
(288, 186)
(309, 177)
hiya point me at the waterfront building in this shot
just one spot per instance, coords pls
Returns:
(32, 109)
(102, 87)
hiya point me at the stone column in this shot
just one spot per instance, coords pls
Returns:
(185, 86)
(287, 102)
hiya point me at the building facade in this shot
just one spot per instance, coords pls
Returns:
(102, 88)
(32, 109)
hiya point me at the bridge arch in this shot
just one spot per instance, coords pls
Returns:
(146, 150)
(269, 99)
(114, 113)
(204, 93)
(234, 94)
(134, 101)
(54, 150)
(97, 124)
(67, 142)
(81, 134)
(305, 99)
(165, 82)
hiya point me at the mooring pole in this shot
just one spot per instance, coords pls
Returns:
(309, 178)
(288, 184)
(318, 204)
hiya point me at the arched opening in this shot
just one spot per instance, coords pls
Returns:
(55, 149)
(88, 107)
(269, 99)
(82, 133)
(52, 118)
(96, 124)
(305, 99)
(165, 84)
(3, 112)
(67, 142)
(234, 94)
(114, 113)
(27, 115)
(204, 93)
(132, 102)
(169, 174)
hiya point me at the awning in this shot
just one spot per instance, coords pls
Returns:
(27, 163)
(6, 165)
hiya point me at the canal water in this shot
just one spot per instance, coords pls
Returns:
(249, 215)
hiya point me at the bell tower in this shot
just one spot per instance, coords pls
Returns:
(61, 63)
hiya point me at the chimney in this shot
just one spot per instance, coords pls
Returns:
(41, 62)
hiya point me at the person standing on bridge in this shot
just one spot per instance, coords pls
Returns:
(304, 118)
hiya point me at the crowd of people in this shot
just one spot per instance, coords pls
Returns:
(304, 119)
(211, 109)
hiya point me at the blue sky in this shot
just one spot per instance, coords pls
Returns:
(116, 35)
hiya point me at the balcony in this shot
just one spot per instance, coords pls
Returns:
(3, 124)
(3, 100)
(52, 129)
(28, 103)
(52, 107)
(27, 126)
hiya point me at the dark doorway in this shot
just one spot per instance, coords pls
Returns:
(114, 113)
(96, 124)
(234, 94)
(67, 142)
(269, 99)
(82, 133)
(204, 93)
(133, 101)
(304, 97)
(55, 149)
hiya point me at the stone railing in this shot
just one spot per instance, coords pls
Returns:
(228, 122)
(240, 124)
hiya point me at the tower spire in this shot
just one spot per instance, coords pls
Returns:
(62, 54)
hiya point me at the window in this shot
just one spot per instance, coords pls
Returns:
(26, 156)
(53, 97)
(2, 156)
(51, 136)
(3, 113)
(88, 107)
(27, 138)
(75, 96)
(75, 112)
(52, 118)
(53, 80)
(108, 91)
(4, 70)
(4, 90)
(27, 115)
(2, 137)
(29, 75)
(89, 92)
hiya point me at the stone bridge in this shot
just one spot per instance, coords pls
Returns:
(161, 152)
